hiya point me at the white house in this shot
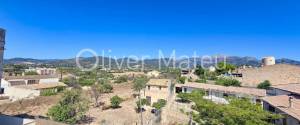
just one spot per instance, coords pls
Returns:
(43, 71)
(21, 87)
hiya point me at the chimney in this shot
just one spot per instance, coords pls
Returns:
(290, 101)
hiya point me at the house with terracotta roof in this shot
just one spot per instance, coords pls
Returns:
(218, 93)
(22, 87)
(284, 100)
(157, 89)
(285, 89)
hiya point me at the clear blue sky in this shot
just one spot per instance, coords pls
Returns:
(55, 29)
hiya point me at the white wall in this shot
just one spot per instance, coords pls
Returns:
(49, 80)
(4, 84)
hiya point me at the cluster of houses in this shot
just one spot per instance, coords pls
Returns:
(279, 99)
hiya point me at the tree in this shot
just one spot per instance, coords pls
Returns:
(223, 68)
(181, 80)
(31, 73)
(228, 82)
(70, 109)
(96, 91)
(184, 97)
(142, 103)
(115, 101)
(264, 85)
(200, 72)
(139, 83)
(159, 104)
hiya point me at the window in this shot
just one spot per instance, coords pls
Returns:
(148, 87)
(185, 90)
(160, 88)
(32, 82)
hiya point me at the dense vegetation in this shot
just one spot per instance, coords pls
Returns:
(238, 112)
(205, 74)
(223, 68)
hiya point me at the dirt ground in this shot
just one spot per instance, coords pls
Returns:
(125, 115)
(30, 107)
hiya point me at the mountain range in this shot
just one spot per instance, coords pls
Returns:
(148, 63)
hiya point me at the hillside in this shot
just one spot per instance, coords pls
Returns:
(149, 63)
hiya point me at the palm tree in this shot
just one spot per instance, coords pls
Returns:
(139, 83)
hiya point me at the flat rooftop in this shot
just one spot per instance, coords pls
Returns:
(41, 86)
(30, 77)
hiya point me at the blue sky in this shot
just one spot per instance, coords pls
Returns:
(60, 29)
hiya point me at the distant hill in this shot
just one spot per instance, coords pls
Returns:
(149, 63)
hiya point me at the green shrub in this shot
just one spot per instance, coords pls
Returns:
(115, 101)
(228, 82)
(201, 81)
(70, 109)
(48, 92)
(31, 73)
(181, 80)
(159, 104)
(264, 85)
(122, 79)
(107, 88)
(184, 97)
(143, 101)
(86, 82)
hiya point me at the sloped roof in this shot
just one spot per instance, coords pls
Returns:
(238, 90)
(294, 88)
(282, 103)
(159, 82)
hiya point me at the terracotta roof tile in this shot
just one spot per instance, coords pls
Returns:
(238, 90)
(282, 102)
